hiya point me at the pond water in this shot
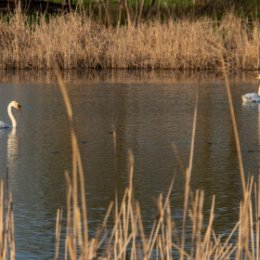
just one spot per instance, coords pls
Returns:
(149, 115)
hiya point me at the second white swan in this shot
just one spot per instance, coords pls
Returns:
(252, 97)
(12, 104)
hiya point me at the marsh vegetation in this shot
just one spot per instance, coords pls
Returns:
(75, 41)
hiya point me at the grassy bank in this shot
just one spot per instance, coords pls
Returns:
(77, 42)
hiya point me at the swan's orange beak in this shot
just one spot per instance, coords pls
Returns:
(19, 107)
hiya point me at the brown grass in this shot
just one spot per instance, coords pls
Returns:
(127, 238)
(75, 41)
(7, 240)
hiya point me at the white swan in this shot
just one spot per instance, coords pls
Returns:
(252, 97)
(12, 104)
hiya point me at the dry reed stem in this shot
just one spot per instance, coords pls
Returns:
(235, 128)
(108, 214)
(257, 217)
(159, 221)
(188, 177)
(1, 216)
(207, 238)
(244, 230)
(58, 234)
(10, 229)
(78, 176)
(141, 228)
(68, 199)
(7, 239)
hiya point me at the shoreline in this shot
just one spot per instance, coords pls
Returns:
(121, 76)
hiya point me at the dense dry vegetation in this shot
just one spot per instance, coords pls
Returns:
(76, 41)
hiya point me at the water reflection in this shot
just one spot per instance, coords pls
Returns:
(3, 136)
(9, 143)
(119, 76)
(252, 112)
(149, 114)
(12, 149)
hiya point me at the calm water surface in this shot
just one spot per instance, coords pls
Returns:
(149, 117)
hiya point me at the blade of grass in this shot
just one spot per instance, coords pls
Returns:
(235, 128)
(188, 177)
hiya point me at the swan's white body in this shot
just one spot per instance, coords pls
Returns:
(252, 97)
(12, 104)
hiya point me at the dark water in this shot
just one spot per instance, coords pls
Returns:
(149, 117)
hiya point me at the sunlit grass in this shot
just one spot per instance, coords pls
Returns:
(75, 41)
(7, 238)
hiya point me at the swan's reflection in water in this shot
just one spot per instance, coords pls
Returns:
(12, 149)
(9, 151)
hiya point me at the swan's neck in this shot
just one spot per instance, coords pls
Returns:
(259, 90)
(10, 113)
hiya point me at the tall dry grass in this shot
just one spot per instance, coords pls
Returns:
(76, 41)
(194, 239)
(7, 239)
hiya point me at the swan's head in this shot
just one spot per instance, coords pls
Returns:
(16, 105)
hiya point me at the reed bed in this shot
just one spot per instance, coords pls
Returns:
(194, 238)
(75, 41)
(7, 239)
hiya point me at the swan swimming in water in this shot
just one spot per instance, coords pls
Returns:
(12, 104)
(252, 97)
